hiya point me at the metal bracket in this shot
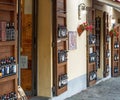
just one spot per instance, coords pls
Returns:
(54, 91)
(53, 44)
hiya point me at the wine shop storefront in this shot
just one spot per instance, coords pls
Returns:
(69, 63)
(67, 45)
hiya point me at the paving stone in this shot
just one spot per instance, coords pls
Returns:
(105, 90)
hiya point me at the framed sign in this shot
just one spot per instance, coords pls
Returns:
(72, 40)
(24, 62)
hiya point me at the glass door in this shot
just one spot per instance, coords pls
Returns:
(28, 47)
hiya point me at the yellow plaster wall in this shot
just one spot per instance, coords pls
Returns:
(76, 58)
(116, 15)
(44, 48)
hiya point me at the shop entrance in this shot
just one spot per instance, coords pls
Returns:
(28, 47)
(99, 38)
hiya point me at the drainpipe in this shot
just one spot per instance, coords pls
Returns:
(19, 39)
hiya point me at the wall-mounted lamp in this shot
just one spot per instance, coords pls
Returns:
(113, 22)
(81, 10)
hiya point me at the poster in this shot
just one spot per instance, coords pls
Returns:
(72, 40)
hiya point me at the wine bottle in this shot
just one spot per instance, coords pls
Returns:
(0, 71)
(12, 32)
(7, 31)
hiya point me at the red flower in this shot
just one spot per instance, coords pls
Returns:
(114, 32)
(84, 26)
(90, 27)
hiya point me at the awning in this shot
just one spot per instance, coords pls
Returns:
(112, 3)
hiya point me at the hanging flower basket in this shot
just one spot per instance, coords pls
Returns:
(90, 27)
(80, 29)
(83, 27)
(115, 31)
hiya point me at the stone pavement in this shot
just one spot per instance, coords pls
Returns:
(105, 90)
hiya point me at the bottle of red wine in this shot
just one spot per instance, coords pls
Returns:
(13, 63)
(8, 31)
(12, 32)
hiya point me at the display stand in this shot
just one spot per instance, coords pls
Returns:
(115, 56)
(60, 39)
(106, 44)
(91, 49)
(8, 50)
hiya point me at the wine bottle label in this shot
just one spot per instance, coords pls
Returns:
(115, 70)
(0, 74)
(115, 46)
(7, 69)
(14, 68)
(3, 71)
(62, 32)
(62, 56)
(63, 80)
(92, 57)
(59, 83)
(92, 39)
(92, 76)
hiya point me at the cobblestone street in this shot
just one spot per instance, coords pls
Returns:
(105, 90)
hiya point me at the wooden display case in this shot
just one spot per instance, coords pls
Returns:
(60, 39)
(8, 44)
(91, 49)
(115, 56)
(106, 44)
(98, 36)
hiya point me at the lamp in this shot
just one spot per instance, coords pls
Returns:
(113, 22)
(81, 10)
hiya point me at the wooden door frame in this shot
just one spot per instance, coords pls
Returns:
(34, 44)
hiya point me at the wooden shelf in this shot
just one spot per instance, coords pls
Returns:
(106, 43)
(8, 49)
(59, 69)
(62, 64)
(5, 43)
(7, 3)
(115, 51)
(61, 14)
(61, 39)
(116, 61)
(92, 82)
(91, 66)
(61, 90)
(115, 74)
(91, 63)
(8, 78)
(91, 45)
(6, 7)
